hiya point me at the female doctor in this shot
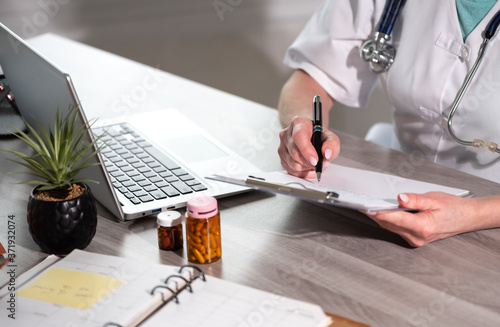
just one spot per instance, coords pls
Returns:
(437, 44)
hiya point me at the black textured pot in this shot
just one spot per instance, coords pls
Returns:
(62, 226)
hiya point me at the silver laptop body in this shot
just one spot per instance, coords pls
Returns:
(40, 88)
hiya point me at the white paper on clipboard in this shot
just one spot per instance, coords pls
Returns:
(341, 186)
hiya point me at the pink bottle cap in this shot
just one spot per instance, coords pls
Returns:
(202, 207)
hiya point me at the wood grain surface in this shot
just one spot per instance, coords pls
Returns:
(333, 257)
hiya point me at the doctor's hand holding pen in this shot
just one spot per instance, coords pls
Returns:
(439, 215)
(298, 155)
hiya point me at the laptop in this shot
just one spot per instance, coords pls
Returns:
(172, 154)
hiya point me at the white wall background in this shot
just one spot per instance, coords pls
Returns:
(238, 49)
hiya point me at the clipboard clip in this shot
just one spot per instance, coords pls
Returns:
(304, 191)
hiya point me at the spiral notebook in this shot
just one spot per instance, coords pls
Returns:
(88, 289)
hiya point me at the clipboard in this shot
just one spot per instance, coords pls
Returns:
(341, 186)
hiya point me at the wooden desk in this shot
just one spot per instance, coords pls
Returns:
(333, 257)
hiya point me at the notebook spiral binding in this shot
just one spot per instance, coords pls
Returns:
(194, 273)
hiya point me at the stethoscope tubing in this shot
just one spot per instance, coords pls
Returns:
(461, 93)
(492, 26)
(489, 32)
(391, 12)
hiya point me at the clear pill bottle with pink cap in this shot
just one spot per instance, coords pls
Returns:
(203, 230)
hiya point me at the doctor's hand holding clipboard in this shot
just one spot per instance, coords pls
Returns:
(434, 75)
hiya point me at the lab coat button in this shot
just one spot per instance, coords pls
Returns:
(465, 53)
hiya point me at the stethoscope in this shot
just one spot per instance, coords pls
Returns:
(380, 57)
(377, 52)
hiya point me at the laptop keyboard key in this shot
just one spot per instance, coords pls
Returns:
(109, 154)
(198, 187)
(161, 184)
(138, 139)
(122, 189)
(158, 195)
(133, 160)
(136, 150)
(128, 183)
(121, 152)
(186, 177)
(127, 168)
(159, 169)
(131, 147)
(178, 171)
(154, 164)
(147, 159)
(144, 183)
(122, 178)
(120, 163)
(171, 179)
(144, 169)
(138, 178)
(135, 201)
(143, 144)
(170, 191)
(156, 179)
(141, 154)
(114, 159)
(181, 187)
(140, 193)
(192, 182)
(165, 174)
(127, 156)
(113, 131)
(116, 173)
(150, 188)
(129, 195)
(146, 198)
(135, 188)
(138, 164)
(133, 173)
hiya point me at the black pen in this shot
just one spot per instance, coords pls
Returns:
(317, 136)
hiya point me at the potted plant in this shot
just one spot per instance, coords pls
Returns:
(62, 213)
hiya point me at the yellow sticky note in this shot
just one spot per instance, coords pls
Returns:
(77, 289)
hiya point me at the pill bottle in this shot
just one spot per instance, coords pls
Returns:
(170, 230)
(203, 230)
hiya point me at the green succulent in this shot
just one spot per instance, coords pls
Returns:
(59, 154)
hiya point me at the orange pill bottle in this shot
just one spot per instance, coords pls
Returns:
(203, 230)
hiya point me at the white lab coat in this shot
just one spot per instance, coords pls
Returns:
(430, 65)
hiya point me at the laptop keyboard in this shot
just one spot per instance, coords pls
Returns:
(139, 170)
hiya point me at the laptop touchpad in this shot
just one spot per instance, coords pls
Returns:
(194, 148)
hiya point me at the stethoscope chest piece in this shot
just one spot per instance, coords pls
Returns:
(378, 53)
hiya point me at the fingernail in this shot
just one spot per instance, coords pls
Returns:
(404, 198)
(328, 154)
(313, 161)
